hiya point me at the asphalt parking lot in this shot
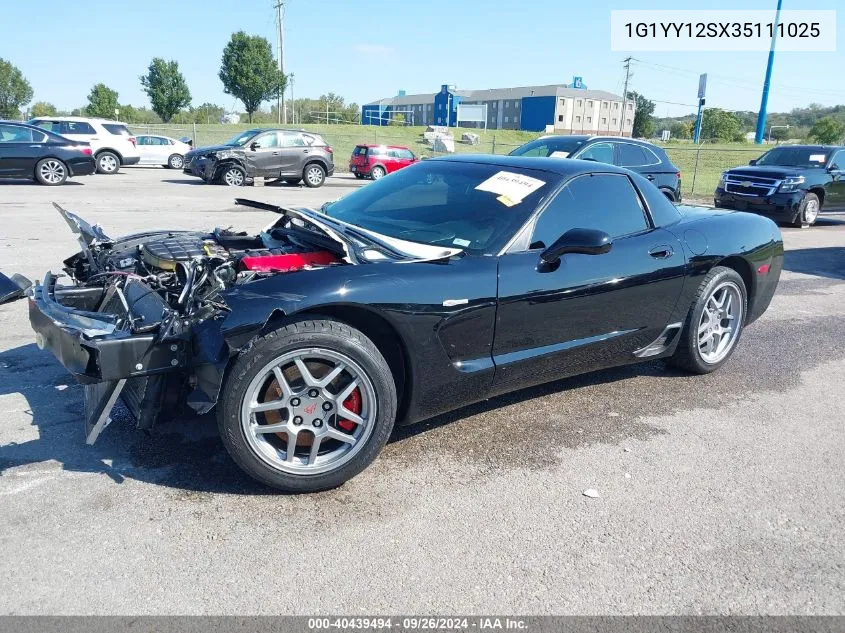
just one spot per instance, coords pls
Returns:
(718, 494)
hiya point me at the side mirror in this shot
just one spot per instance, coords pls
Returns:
(254, 145)
(583, 241)
(833, 167)
(752, 162)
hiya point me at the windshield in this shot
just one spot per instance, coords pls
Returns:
(546, 147)
(242, 138)
(474, 206)
(795, 157)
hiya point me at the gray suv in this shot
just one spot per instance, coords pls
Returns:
(290, 155)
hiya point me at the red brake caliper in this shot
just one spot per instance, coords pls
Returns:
(353, 403)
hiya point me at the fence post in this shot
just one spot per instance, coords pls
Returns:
(695, 169)
(494, 144)
(194, 138)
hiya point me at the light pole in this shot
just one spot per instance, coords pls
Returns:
(764, 102)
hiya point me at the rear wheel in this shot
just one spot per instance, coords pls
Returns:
(714, 324)
(314, 175)
(233, 176)
(308, 406)
(51, 172)
(378, 172)
(107, 163)
(176, 161)
(808, 211)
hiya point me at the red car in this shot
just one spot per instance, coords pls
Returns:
(375, 161)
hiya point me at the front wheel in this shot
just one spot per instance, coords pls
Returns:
(107, 163)
(308, 406)
(808, 211)
(714, 324)
(176, 161)
(233, 176)
(314, 175)
(51, 172)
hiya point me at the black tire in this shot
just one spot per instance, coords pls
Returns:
(293, 181)
(359, 176)
(108, 163)
(233, 176)
(805, 216)
(175, 161)
(688, 356)
(322, 333)
(51, 172)
(314, 175)
(378, 172)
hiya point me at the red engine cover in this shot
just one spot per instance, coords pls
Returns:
(287, 262)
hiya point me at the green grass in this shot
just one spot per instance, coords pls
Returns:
(713, 159)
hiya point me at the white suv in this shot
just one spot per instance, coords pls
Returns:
(112, 142)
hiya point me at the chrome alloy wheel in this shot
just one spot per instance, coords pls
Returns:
(176, 161)
(811, 211)
(314, 175)
(52, 171)
(309, 411)
(720, 322)
(108, 163)
(234, 177)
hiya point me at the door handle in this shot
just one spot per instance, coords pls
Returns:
(276, 153)
(661, 252)
(305, 151)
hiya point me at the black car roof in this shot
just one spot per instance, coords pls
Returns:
(562, 166)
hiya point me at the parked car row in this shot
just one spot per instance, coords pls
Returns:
(791, 184)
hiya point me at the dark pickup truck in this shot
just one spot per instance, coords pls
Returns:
(790, 184)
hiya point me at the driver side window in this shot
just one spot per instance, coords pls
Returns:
(271, 139)
(606, 202)
(837, 161)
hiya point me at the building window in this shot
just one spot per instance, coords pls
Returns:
(604, 120)
(560, 118)
(578, 103)
(563, 102)
(627, 121)
(506, 119)
(516, 104)
(577, 119)
(604, 105)
(630, 106)
(428, 107)
(616, 105)
(589, 119)
(589, 104)
(613, 121)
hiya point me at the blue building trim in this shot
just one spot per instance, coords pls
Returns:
(376, 114)
(537, 113)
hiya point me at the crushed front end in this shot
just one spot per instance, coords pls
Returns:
(141, 317)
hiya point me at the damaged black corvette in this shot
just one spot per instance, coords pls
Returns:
(446, 283)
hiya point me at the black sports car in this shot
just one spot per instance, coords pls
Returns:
(445, 283)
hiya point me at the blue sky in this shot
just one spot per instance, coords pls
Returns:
(367, 50)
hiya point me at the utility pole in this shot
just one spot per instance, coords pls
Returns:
(764, 102)
(627, 61)
(280, 18)
(292, 102)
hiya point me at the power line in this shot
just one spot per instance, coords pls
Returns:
(625, 96)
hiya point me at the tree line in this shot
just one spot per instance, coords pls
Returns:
(248, 72)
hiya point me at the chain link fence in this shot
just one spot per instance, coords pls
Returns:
(700, 165)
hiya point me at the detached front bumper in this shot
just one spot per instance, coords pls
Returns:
(108, 360)
(780, 207)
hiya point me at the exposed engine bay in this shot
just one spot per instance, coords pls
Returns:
(187, 270)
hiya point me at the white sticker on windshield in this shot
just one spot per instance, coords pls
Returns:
(511, 186)
(559, 155)
(459, 242)
(818, 158)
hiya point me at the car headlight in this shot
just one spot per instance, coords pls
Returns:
(721, 184)
(792, 183)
